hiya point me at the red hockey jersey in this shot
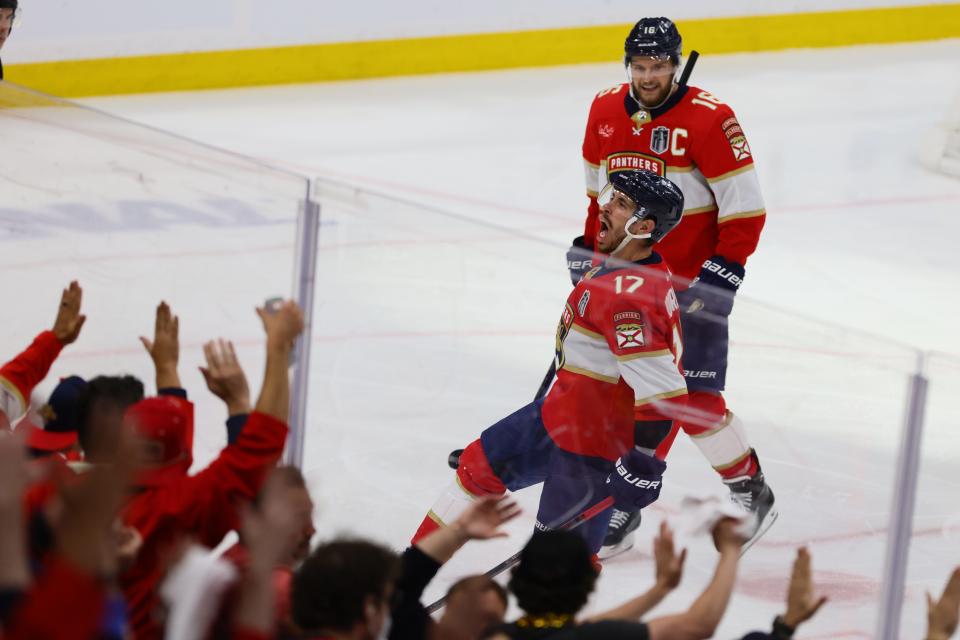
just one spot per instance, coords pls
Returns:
(618, 348)
(694, 140)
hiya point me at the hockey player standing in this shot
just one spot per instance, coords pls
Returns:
(695, 140)
(608, 422)
(8, 11)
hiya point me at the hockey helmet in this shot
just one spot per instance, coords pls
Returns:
(654, 37)
(654, 196)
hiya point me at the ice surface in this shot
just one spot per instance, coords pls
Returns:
(429, 327)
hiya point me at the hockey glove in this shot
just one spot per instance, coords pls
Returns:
(636, 481)
(714, 288)
(579, 259)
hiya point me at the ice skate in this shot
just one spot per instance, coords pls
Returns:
(620, 533)
(756, 496)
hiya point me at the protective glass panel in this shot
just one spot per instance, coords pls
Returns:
(137, 215)
(936, 521)
(432, 325)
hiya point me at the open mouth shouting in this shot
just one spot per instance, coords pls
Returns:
(604, 228)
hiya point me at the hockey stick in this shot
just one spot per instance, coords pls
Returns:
(688, 68)
(512, 561)
(547, 379)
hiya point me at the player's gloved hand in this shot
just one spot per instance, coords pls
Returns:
(579, 259)
(636, 481)
(714, 288)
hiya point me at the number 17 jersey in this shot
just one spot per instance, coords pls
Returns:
(618, 350)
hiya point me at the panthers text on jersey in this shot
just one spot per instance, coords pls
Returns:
(695, 140)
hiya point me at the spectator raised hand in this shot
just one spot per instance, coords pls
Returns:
(164, 349)
(943, 614)
(801, 604)
(669, 571)
(69, 320)
(669, 563)
(270, 534)
(224, 376)
(283, 322)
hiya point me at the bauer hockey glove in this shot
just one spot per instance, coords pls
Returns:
(579, 259)
(636, 481)
(714, 288)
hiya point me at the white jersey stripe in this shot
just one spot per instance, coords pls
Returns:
(653, 378)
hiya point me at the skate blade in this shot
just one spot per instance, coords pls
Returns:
(764, 527)
(615, 550)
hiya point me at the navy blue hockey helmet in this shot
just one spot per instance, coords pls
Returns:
(654, 37)
(655, 197)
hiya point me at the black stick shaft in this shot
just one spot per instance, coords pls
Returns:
(547, 379)
(688, 68)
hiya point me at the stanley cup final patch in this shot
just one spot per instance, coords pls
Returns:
(659, 140)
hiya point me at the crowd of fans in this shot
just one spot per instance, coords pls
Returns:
(105, 534)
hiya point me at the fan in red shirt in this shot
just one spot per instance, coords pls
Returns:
(171, 504)
(688, 135)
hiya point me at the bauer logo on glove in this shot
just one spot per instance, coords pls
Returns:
(637, 481)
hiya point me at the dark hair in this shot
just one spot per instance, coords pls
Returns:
(479, 584)
(555, 574)
(118, 391)
(331, 587)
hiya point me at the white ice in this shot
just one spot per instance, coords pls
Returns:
(429, 328)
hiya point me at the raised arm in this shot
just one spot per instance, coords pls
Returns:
(669, 571)
(226, 380)
(704, 615)
(164, 349)
(19, 376)
(282, 324)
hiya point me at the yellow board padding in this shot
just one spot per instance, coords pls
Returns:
(439, 54)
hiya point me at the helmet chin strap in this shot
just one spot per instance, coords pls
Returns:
(637, 217)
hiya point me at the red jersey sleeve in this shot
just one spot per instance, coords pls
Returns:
(207, 502)
(19, 376)
(64, 603)
(724, 158)
(644, 338)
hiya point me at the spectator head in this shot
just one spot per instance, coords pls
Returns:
(60, 420)
(8, 11)
(344, 587)
(555, 574)
(475, 604)
(292, 479)
(100, 410)
(163, 428)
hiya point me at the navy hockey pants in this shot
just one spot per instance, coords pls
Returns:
(705, 344)
(522, 454)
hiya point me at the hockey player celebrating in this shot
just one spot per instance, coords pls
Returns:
(608, 422)
(652, 122)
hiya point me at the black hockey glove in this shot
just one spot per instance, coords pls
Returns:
(715, 287)
(636, 481)
(579, 259)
